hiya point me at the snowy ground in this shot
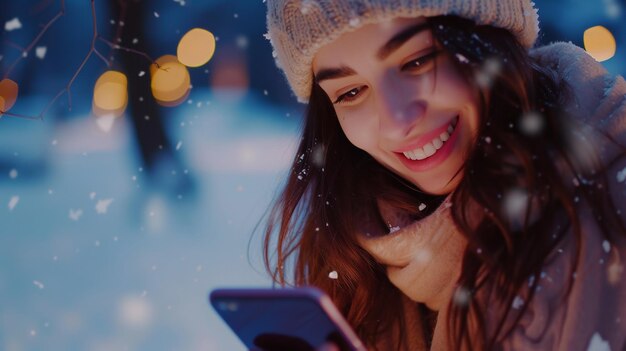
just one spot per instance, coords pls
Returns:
(93, 256)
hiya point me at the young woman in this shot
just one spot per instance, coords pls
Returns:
(453, 188)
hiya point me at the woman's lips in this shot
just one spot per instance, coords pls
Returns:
(427, 138)
(439, 156)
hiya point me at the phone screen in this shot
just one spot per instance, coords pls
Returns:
(277, 324)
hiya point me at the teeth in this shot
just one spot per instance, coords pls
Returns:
(437, 143)
(420, 154)
(430, 148)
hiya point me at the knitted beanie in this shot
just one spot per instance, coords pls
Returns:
(297, 29)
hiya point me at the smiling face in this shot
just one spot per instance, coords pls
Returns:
(400, 98)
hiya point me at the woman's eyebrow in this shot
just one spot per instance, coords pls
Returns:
(390, 46)
(400, 38)
(333, 73)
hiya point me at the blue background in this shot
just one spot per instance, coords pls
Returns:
(135, 275)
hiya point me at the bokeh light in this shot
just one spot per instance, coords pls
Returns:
(110, 94)
(170, 81)
(196, 47)
(8, 94)
(599, 43)
(134, 312)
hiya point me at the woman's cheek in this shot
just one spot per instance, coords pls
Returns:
(359, 130)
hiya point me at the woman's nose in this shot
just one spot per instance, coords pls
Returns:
(399, 110)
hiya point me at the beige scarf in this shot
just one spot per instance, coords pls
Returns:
(423, 260)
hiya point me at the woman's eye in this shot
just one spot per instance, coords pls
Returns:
(421, 62)
(350, 95)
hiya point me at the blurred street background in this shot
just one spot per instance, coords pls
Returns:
(113, 230)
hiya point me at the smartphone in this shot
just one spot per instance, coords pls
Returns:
(285, 319)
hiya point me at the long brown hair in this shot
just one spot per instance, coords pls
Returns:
(333, 188)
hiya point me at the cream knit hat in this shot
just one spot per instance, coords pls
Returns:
(297, 29)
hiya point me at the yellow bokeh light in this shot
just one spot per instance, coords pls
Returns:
(110, 94)
(599, 43)
(196, 47)
(170, 81)
(8, 94)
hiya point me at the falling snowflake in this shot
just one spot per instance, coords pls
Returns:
(461, 296)
(14, 200)
(487, 73)
(141, 73)
(598, 344)
(531, 123)
(333, 275)
(462, 58)
(515, 203)
(13, 173)
(103, 205)
(612, 9)
(40, 52)
(178, 145)
(422, 206)
(518, 302)
(156, 14)
(38, 284)
(13, 24)
(242, 42)
(621, 175)
(317, 157)
(606, 245)
(75, 214)
(92, 195)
